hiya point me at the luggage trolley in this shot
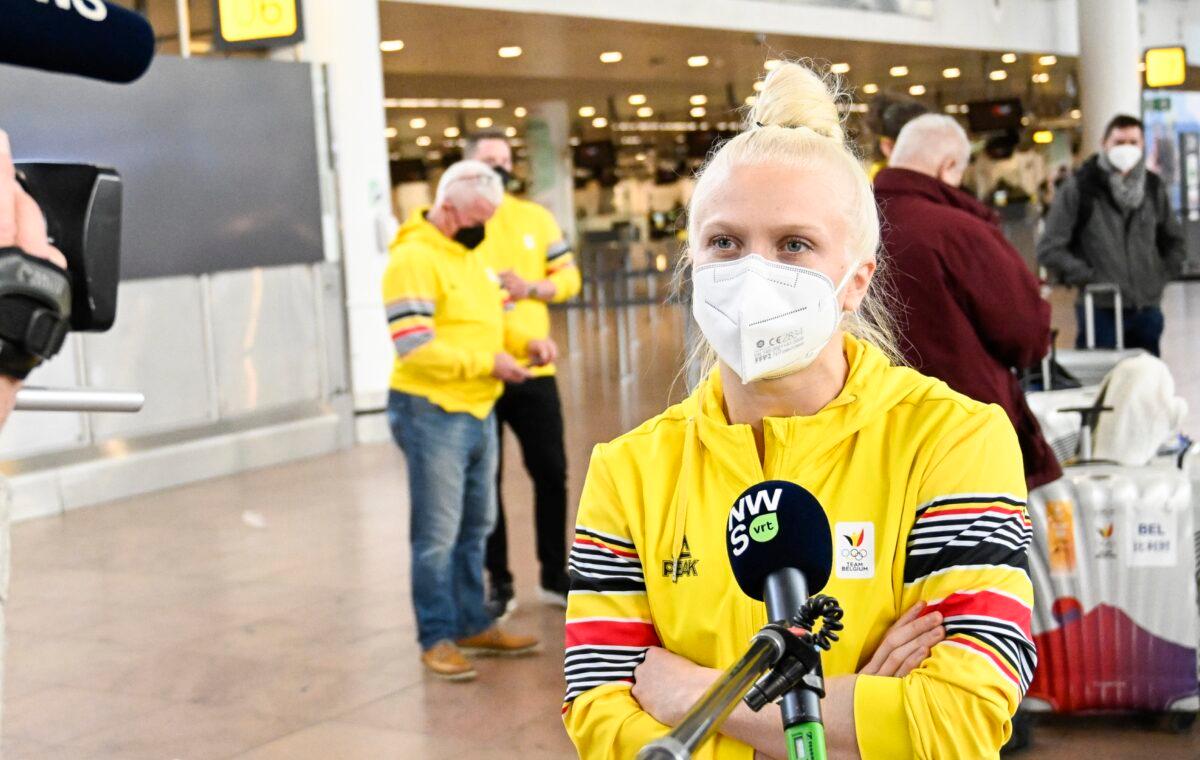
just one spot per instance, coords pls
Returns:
(1112, 547)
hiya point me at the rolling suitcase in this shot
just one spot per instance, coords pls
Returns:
(1090, 365)
(1112, 548)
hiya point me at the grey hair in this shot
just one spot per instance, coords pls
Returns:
(926, 140)
(467, 180)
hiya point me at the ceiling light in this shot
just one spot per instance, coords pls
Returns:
(637, 100)
(1041, 78)
(951, 108)
(587, 112)
(390, 132)
(1009, 58)
(1076, 113)
(511, 51)
(759, 85)
(645, 112)
(510, 132)
(574, 141)
(451, 132)
(424, 141)
(484, 103)
(1026, 121)
(898, 71)
(434, 155)
(697, 112)
(520, 112)
(1048, 60)
(483, 122)
(999, 75)
(916, 89)
(611, 56)
(870, 88)
(391, 46)
(952, 73)
(640, 157)
(839, 68)
(751, 100)
(698, 100)
(772, 63)
(696, 61)
(1043, 137)
(417, 123)
(599, 122)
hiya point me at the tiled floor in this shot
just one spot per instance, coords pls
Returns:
(177, 625)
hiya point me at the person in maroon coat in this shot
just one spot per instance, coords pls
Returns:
(972, 312)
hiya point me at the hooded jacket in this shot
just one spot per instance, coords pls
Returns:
(972, 310)
(1139, 251)
(926, 502)
(523, 236)
(446, 314)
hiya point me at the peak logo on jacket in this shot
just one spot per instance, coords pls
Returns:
(683, 566)
(854, 549)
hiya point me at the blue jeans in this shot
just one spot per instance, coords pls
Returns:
(452, 491)
(1142, 327)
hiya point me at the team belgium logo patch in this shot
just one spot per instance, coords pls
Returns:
(683, 566)
(854, 551)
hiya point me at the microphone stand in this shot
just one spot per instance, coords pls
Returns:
(766, 648)
(784, 664)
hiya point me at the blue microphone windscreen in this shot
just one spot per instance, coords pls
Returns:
(88, 38)
(776, 525)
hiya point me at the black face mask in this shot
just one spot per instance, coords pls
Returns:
(505, 175)
(469, 237)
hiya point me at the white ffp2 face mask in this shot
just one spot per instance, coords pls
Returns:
(763, 318)
(1124, 157)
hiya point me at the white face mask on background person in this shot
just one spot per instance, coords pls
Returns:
(763, 318)
(1124, 157)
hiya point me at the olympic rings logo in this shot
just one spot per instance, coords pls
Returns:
(854, 553)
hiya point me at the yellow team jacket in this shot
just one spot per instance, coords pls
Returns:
(925, 495)
(446, 314)
(523, 236)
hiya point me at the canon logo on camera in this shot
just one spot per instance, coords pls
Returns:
(92, 10)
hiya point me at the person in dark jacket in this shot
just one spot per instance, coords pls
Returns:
(972, 311)
(1112, 223)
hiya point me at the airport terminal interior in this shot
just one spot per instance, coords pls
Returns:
(207, 550)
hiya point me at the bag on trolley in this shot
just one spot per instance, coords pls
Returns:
(1114, 573)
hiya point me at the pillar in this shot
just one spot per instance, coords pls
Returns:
(1109, 50)
(552, 184)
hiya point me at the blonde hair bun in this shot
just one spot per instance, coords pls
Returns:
(794, 96)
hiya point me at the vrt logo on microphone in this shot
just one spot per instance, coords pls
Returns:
(92, 10)
(854, 550)
(762, 528)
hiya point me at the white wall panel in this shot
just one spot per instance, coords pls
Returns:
(265, 339)
(157, 346)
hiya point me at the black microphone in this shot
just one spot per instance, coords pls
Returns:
(781, 551)
(89, 38)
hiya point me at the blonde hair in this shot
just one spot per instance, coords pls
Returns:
(795, 121)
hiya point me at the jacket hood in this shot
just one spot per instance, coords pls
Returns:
(896, 182)
(419, 230)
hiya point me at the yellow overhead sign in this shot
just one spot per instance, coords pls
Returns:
(258, 23)
(1166, 67)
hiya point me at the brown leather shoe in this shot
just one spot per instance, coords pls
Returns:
(496, 643)
(444, 660)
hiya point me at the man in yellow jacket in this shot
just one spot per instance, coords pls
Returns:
(526, 247)
(445, 311)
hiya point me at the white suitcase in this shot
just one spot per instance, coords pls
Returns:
(1113, 550)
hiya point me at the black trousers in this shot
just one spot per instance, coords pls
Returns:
(534, 412)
